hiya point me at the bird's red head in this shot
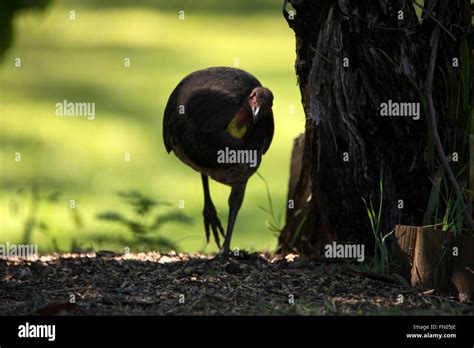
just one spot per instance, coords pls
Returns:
(260, 101)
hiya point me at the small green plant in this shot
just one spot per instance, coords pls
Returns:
(275, 223)
(144, 223)
(379, 262)
(445, 211)
(35, 222)
(445, 207)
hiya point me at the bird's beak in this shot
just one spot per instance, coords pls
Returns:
(256, 115)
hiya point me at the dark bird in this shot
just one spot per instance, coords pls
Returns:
(219, 121)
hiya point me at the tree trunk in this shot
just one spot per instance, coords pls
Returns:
(352, 56)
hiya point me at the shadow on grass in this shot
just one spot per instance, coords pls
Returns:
(211, 7)
(107, 101)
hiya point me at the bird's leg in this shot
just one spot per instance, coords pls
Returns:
(235, 201)
(210, 214)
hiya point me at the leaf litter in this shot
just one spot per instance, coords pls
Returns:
(107, 283)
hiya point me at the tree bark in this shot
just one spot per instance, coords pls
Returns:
(435, 259)
(403, 251)
(432, 261)
(349, 149)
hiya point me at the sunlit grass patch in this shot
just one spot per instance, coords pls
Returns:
(83, 61)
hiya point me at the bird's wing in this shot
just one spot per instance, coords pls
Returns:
(211, 98)
(211, 110)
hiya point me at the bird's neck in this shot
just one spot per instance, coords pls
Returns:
(241, 122)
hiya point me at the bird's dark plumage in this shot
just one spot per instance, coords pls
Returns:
(217, 109)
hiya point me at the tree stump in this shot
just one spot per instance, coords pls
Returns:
(432, 261)
(295, 168)
(435, 259)
(403, 250)
(299, 195)
(463, 267)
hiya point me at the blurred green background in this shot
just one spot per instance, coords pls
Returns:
(73, 158)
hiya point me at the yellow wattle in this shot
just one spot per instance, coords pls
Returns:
(234, 129)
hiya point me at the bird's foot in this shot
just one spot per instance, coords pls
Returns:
(212, 222)
(225, 251)
(223, 255)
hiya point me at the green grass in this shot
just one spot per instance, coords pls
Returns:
(82, 60)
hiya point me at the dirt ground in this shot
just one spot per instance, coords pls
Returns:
(105, 283)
